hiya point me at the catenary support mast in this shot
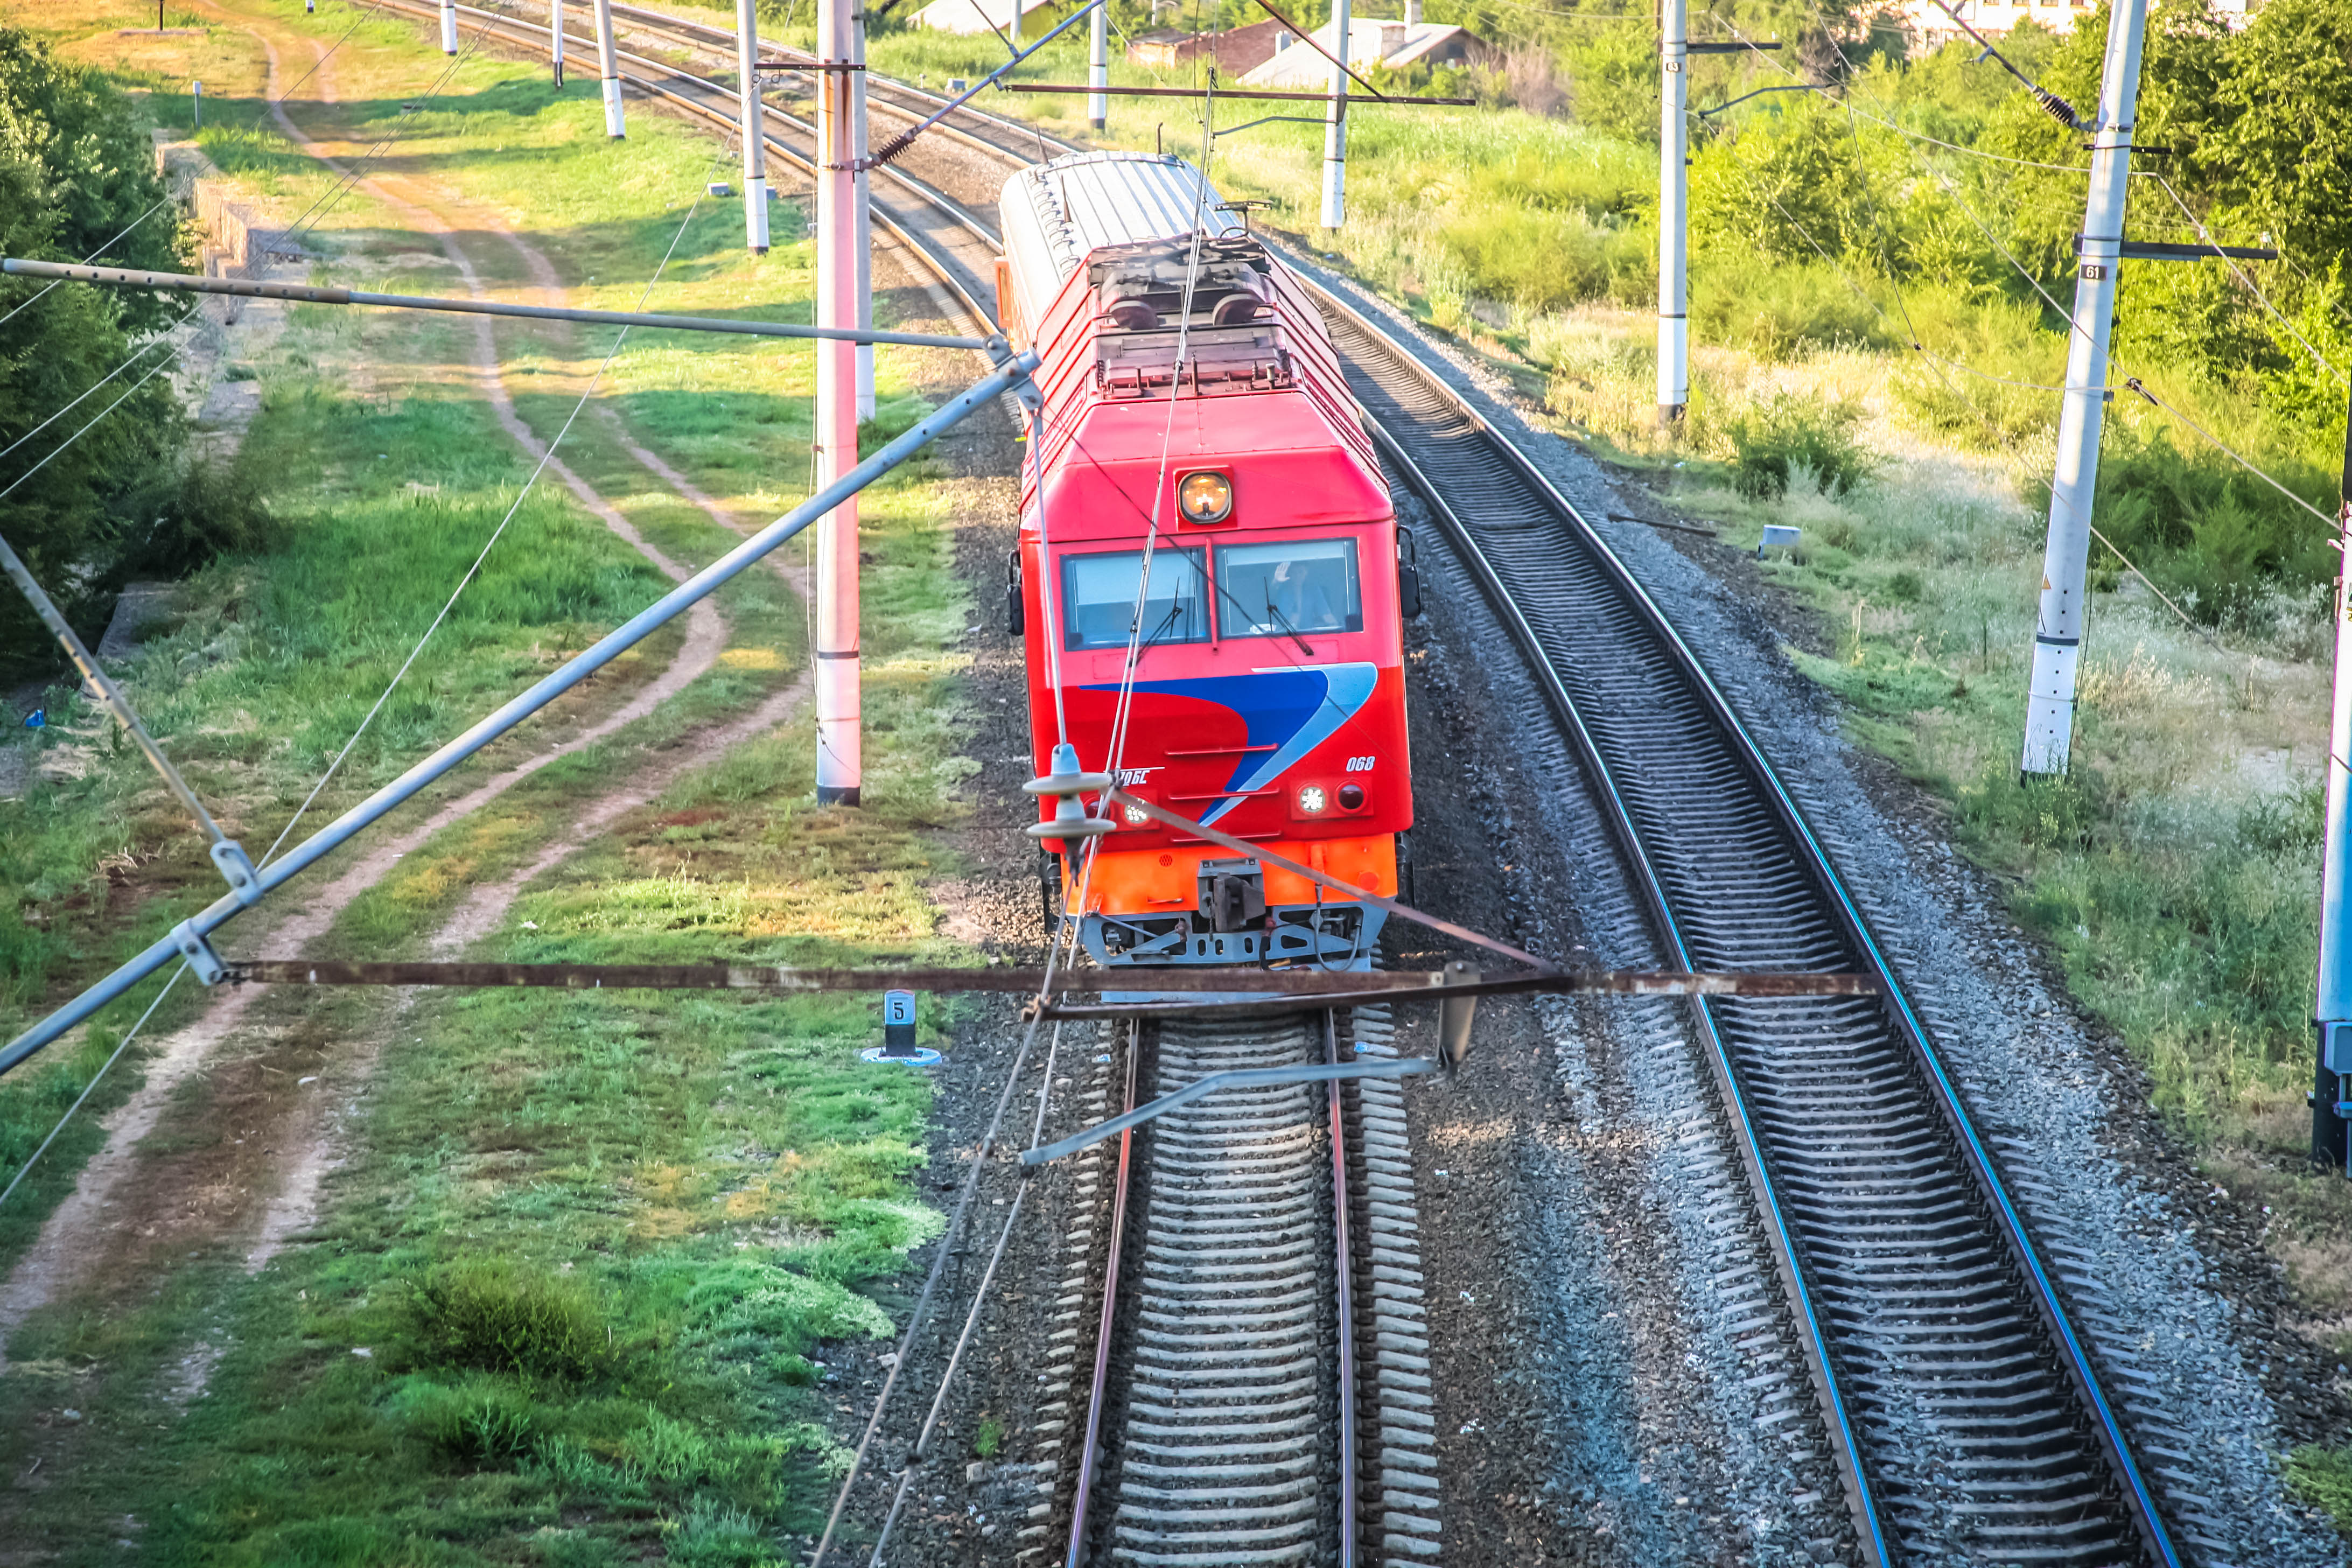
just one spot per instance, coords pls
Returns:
(860, 146)
(838, 761)
(2058, 628)
(1674, 210)
(1335, 126)
(608, 66)
(755, 147)
(2334, 1011)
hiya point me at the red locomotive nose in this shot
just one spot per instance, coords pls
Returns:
(1351, 797)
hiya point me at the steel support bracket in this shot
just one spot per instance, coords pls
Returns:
(237, 866)
(199, 954)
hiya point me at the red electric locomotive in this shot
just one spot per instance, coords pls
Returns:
(1267, 696)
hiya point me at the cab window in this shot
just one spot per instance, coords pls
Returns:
(1098, 599)
(1291, 586)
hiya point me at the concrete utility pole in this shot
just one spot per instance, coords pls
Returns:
(1098, 68)
(448, 27)
(1335, 126)
(1674, 210)
(2058, 629)
(608, 66)
(555, 38)
(839, 768)
(2333, 1013)
(755, 147)
(859, 141)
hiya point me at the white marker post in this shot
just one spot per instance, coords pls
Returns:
(839, 766)
(448, 27)
(755, 147)
(2058, 629)
(1674, 210)
(1335, 126)
(608, 66)
(1099, 67)
(555, 38)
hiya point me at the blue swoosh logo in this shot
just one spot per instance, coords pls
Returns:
(1292, 710)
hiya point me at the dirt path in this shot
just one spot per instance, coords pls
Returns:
(122, 1205)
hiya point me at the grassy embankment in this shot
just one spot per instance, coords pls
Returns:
(588, 1244)
(2174, 875)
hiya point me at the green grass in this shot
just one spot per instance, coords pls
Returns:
(595, 1249)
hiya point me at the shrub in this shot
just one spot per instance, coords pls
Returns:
(1788, 433)
(2214, 535)
(493, 1315)
(2323, 1478)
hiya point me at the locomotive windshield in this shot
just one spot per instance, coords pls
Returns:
(1098, 599)
(1284, 589)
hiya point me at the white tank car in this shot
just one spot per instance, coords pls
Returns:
(1055, 214)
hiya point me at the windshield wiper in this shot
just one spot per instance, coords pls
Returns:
(1277, 614)
(1284, 621)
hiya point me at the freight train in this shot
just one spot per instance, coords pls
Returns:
(1252, 679)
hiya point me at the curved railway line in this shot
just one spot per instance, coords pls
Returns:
(1959, 1400)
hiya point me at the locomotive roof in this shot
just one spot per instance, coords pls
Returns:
(1055, 214)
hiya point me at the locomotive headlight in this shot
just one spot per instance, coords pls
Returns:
(1137, 817)
(1205, 498)
(1310, 799)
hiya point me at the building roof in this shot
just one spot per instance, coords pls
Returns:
(1371, 42)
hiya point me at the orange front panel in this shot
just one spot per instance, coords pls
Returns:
(1167, 881)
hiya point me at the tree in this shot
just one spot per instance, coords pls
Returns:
(75, 173)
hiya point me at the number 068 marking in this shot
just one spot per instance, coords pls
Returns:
(1360, 764)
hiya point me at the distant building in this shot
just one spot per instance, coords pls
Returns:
(1236, 50)
(1932, 28)
(1371, 42)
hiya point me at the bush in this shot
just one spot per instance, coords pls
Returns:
(1788, 433)
(492, 1316)
(2214, 535)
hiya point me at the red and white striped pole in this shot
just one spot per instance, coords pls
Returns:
(838, 761)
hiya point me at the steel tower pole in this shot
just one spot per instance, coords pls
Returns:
(2058, 628)
(555, 38)
(448, 27)
(2329, 1144)
(860, 143)
(838, 760)
(1674, 210)
(1098, 68)
(608, 66)
(755, 147)
(1335, 126)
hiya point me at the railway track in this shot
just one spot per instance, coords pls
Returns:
(1956, 1395)
(1239, 1371)
(1968, 1415)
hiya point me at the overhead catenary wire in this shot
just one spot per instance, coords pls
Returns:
(474, 570)
(2252, 287)
(166, 201)
(1951, 188)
